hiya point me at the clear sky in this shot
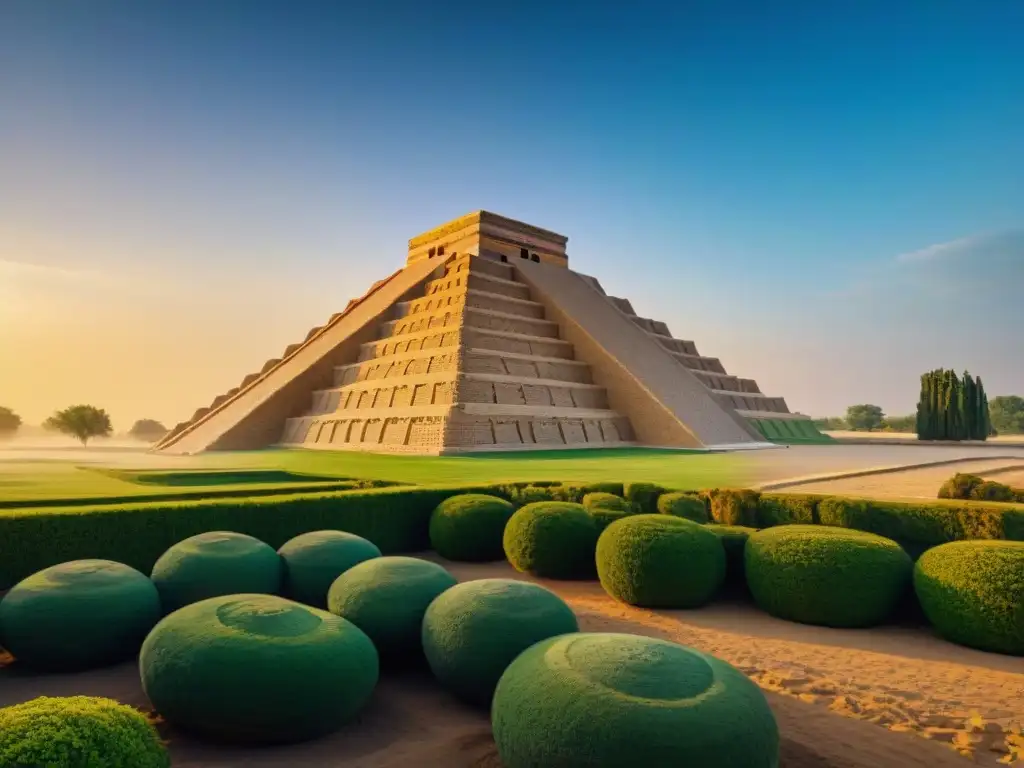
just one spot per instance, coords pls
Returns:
(827, 196)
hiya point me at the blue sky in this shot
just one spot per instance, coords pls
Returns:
(827, 196)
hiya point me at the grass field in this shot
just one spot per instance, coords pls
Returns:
(269, 471)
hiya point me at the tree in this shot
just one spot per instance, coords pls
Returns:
(80, 421)
(148, 430)
(1006, 413)
(900, 423)
(952, 407)
(864, 418)
(9, 422)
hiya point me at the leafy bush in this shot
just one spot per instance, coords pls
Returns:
(619, 701)
(469, 527)
(992, 491)
(643, 496)
(78, 615)
(606, 508)
(734, 506)
(660, 561)
(973, 593)
(213, 564)
(386, 598)
(395, 519)
(576, 491)
(685, 505)
(786, 508)
(257, 669)
(734, 541)
(312, 561)
(959, 486)
(78, 732)
(553, 539)
(826, 576)
(473, 631)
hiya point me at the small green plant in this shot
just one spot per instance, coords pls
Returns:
(685, 505)
(552, 539)
(606, 508)
(469, 527)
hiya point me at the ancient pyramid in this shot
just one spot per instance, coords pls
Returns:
(487, 341)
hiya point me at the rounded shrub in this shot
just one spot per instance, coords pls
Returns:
(312, 561)
(833, 577)
(683, 505)
(78, 732)
(552, 539)
(386, 597)
(973, 593)
(213, 564)
(469, 527)
(659, 561)
(620, 701)
(473, 631)
(990, 490)
(77, 615)
(257, 669)
(734, 541)
(606, 508)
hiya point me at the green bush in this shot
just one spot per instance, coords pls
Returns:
(257, 669)
(734, 506)
(213, 564)
(386, 598)
(606, 508)
(643, 496)
(992, 491)
(959, 486)
(473, 631)
(973, 593)
(680, 504)
(660, 561)
(395, 519)
(312, 561)
(78, 732)
(786, 508)
(734, 542)
(469, 527)
(552, 539)
(575, 492)
(619, 701)
(826, 576)
(78, 615)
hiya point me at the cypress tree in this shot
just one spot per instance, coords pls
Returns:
(984, 419)
(969, 408)
(923, 414)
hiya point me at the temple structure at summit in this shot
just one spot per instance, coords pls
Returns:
(486, 340)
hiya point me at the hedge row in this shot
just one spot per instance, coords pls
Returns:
(966, 486)
(397, 519)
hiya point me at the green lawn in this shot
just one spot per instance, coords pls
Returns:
(260, 471)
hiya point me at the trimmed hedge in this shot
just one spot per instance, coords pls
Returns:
(643, 496)
(552, 539)
(787, 508)
(660, 561)
(312, 561)
(606, 508)
(734, 506)
(395, 519)
(78, 615)
(257, 669)
(973, 593)
(685, 505)
(826, 576)
(619, 701)
(473, 631)
(966, 486)
(469, 527)
(734, 542)
(78, 732)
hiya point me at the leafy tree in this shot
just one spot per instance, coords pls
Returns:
(864, 418)
(831, 423)
(148, 430)
(9, 422)
(1006, 413)
(80, 421)
(952, 407)
(900, 423)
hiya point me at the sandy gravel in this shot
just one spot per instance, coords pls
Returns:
(843, 698)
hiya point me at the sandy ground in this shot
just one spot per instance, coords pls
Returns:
(845, 699)
(921, 483)
(850, 435)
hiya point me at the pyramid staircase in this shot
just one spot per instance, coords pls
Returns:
(473, 364)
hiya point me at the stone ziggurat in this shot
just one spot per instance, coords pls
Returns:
(487, 341)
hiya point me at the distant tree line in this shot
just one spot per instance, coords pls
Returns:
(952, 407)
(83, 422)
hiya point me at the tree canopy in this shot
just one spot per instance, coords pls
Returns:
(864, 417)
(9, 422)
(1006, 413)
(952, 407)
(149, 430)
(81, 421)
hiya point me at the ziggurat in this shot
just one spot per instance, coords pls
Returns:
(487, 341)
